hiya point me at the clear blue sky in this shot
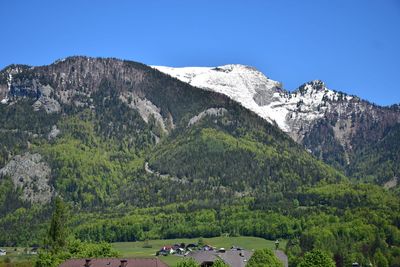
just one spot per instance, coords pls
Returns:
(353, 45)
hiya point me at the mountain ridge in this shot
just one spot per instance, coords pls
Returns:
(135, 107)
(333, 125)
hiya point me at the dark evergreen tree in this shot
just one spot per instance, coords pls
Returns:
(58, 226)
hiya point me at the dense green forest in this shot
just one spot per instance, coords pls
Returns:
(379, 161)
(227, 174)
(349, 222)
(373, 161)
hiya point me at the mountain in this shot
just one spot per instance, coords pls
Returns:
(136, 154)
(166, 123)
(104, 132)
(334, 126)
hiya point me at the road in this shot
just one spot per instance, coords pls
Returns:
(282, 257)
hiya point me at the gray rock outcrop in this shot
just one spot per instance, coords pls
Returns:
(32, 175)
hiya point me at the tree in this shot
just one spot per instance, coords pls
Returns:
(380, 259)
(220, 263)
(264, 257)
(75, 248)
(200, 243)
(58, 232)
(46, 259)
(316, 258)
(187, 263)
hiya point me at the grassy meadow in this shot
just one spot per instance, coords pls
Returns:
(16, 257)
(149, 248)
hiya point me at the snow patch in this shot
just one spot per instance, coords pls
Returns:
(291, 111)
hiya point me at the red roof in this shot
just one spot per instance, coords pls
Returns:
(113, 262)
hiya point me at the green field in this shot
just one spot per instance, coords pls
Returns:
(16, 257)
(142, 249)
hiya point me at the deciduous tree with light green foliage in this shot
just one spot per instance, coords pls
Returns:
(264, 257)
(316, 258)
(380, 259)
(75, 249)
(187, 263)
(220, 263)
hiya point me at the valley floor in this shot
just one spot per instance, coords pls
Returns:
(149, 248)
(145, 249)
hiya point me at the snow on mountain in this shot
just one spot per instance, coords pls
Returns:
(292, 112)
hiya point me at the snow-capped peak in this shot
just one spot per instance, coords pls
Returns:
(239, 82)
(252, 89)
(221, 78)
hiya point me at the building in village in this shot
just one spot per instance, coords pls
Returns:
(234, 257)
(3, 252)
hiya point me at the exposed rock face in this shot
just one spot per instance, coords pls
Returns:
(392, 183)
(3, 93)
(32, 175)
(76, 78)
(31, 88)
(45, 101)
(145, 108)
(53, 133)
(209, 112)
(6, 77)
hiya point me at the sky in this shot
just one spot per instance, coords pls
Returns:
(353, 46)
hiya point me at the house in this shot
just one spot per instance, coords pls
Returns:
(166, 250)
(3, 252)
(177, 246)
(236, 258)
(114, 262)
(180, 251)
(233, 257)
(203, 257)
(191, 246)
(33, 251)
(208, 247)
